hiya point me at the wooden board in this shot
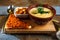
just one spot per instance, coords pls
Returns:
(48, 28)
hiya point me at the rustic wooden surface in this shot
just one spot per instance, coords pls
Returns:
(49, 28)
(28, 2)
(29, 36)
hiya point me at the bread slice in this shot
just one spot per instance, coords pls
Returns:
(15, 23)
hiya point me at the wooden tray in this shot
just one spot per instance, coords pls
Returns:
(48, 28)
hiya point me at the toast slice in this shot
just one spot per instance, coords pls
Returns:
(15, 23)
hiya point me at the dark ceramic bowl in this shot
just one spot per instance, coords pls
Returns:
(41, 20)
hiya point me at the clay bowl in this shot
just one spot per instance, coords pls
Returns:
(41, 21)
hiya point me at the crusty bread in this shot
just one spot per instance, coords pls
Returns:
(15, 23)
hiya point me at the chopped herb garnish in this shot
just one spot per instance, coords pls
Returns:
(41, 10)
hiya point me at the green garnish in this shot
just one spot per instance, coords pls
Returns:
(41, 10)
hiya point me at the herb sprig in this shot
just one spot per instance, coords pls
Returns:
(41, 10)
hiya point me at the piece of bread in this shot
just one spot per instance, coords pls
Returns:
(15, 23)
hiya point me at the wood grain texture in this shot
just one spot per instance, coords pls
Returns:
(31, 37)
(48, 28)
(28, 2)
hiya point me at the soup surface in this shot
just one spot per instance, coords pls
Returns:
(41, 12)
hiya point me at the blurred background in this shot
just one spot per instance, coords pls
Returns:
(28, 2)
(5, 3)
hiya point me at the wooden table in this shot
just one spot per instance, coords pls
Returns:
(48, 28)
(26, 3)
(30, 36)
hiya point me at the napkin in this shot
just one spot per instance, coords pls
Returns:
(7, 37)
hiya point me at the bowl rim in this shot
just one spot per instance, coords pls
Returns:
(44, 5)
